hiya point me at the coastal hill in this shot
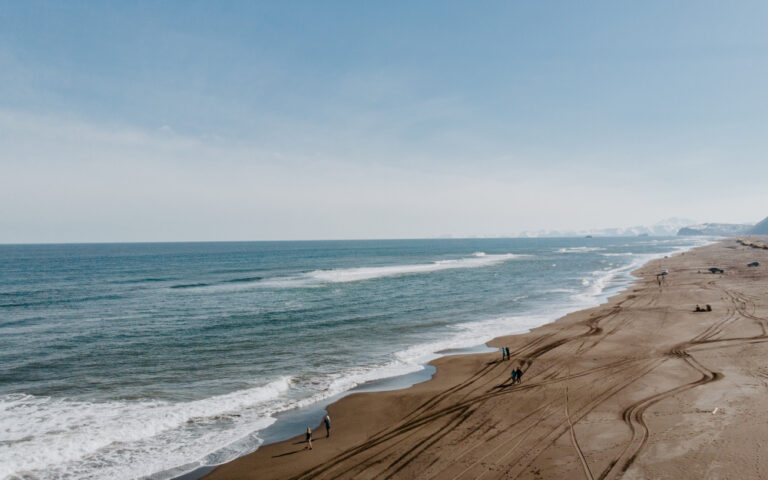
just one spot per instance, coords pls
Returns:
(726, 229)
(716, 229)
(666, 227)
(761, 228)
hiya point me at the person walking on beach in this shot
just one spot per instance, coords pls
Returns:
(518, 375)
(507, 349)
(513, 375)
(309, 439)
(503, 353)
(327, 421)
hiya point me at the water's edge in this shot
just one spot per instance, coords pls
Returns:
(290, 423)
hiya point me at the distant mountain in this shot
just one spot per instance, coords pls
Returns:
(760, 229)
(716, 229)
(665, 228)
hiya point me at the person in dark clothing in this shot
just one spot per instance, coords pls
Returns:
(518, 375)
(507, 349)
(327, 421)
(513, 375)
(309, 439)
(709, 307)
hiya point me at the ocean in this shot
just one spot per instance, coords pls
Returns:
(122, 361)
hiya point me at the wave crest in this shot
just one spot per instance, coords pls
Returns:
(477, 260)
(579, 249)
(125, 439)
(317, 278)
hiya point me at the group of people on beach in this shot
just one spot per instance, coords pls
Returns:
(505, 353)
(327, 422)
(517, 373)
(708, 308)
(516, 376)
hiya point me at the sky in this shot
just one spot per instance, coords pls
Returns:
(203, 121)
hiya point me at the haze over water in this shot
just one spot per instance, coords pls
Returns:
(125, 360)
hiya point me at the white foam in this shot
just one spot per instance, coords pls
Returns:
(602, 283)
(318, 278)
(477, 260)
(56, 438)
(559, 290)
(600, 280)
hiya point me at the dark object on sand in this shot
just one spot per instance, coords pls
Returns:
(709, 307)
(716, 270)
(698, 309)
(753, 264)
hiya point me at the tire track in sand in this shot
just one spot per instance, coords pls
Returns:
(633, 415)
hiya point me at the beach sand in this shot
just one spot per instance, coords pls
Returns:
(639, 387)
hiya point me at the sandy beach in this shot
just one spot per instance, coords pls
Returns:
(639, 387)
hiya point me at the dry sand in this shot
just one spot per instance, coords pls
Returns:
(640, 387)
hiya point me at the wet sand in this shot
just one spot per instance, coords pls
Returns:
(639, 387)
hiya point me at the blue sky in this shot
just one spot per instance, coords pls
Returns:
(132, 121)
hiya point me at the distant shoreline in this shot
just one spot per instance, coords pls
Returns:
(321, 240)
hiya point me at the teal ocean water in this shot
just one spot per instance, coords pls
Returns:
(148, 360)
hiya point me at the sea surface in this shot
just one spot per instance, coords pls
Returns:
(123, 361)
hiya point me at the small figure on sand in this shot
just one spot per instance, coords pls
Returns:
(507, 350)
(309, 439)
(518, 375)
(327, 421)
(698, 309)
(709, 307)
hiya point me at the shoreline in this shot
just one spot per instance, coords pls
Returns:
(216, 408)
(280, 432)
(234, 469)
